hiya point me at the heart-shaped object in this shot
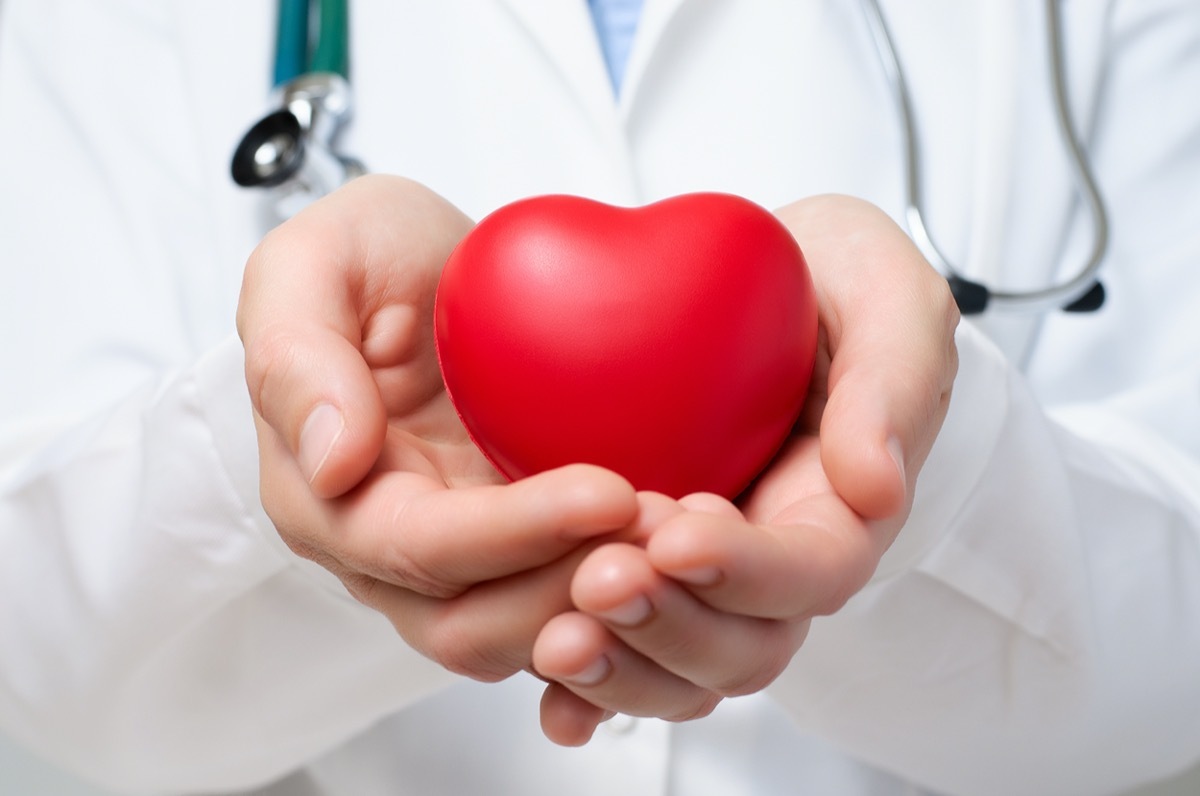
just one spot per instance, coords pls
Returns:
(672, 343)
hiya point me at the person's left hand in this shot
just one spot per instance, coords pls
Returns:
(708, 599)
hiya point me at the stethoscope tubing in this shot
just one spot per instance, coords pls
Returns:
(300, 50)
(1058, 295)
(315, 70)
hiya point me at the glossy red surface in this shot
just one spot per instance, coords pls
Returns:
(672, 343)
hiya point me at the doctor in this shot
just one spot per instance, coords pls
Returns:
(202, 586)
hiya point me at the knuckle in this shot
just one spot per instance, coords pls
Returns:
(751, 682)
(941, 308)
(767, 665)
(270, 359)
(681, 647)
(453, 640)
(857, 565)
(252, 275)
(301, 547)
(378, 537)
(838, 595)
(362, 588)
(951, 359)
(409, 562)
(699, 710)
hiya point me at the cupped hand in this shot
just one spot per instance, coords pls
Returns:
(365, 467)
(711, 600)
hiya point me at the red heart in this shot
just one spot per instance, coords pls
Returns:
(672, 343)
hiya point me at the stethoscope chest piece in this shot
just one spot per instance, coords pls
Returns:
(270, 153)
(293, 150)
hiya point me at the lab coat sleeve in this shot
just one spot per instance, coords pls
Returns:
(1036, 628)
(154, 634)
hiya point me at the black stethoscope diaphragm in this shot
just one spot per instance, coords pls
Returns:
(270, 153)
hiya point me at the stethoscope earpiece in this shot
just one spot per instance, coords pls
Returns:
(1089, 301)
(270, 153)
(1080, 293)
(971, 297)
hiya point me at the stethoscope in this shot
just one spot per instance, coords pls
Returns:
(1082, 292)
(294, 152)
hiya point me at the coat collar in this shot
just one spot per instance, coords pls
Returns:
(565, 33)
(655, 21)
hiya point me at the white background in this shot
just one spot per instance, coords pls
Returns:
(23, 775)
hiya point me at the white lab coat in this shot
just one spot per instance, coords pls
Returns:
(1036, 629)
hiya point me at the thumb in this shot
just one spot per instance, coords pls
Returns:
(299, 320)
(889, 321)
(875, 433)
(314, 390)
(308, 293)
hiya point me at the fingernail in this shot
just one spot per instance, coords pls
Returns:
(630, 613)
(317, 438)
(897, 452)
(593, 673)
(700, 576)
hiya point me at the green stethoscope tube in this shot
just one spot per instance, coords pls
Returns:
(298, 51)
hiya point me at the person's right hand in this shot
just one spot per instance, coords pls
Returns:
(365, 466)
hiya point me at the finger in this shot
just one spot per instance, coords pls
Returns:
(729, 654)
(487, 632)
(308, 289)
(709, 503)
(653, 509)
(577, 651)
(411, 531)
(889, 320)
(567, 719)
(809, 564)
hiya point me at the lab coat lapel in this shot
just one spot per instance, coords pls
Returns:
(564, 31)
(655, 19)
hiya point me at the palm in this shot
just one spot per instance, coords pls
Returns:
(424, 434)
(796, 473)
